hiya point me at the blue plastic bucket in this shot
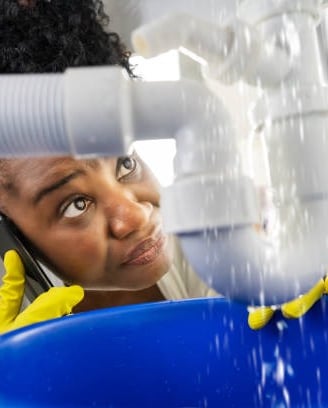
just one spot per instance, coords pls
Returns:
(192, 353)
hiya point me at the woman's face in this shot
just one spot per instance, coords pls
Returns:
(97, 222)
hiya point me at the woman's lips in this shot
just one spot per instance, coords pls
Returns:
(146, 252)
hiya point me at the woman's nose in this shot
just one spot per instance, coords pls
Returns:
(125, 215)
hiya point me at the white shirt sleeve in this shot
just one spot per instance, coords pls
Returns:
(181, 281)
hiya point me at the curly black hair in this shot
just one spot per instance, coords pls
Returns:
(52, 35)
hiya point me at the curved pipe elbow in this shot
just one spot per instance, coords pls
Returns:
(242, 264)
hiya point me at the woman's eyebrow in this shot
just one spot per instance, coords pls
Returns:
(56, 185)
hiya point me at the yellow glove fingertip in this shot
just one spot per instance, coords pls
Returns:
(259, 317)
(67, 297)
(76, 293)
(296, 308)
(56, 302)
(13, 262)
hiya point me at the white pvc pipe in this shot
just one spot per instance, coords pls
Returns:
(224, 248)
(32, 115)
(99, 111)
(173, 31)
(215, 220)
(289, 49)
(229, 53)
(271, 42)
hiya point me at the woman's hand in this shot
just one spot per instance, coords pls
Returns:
(56, 302)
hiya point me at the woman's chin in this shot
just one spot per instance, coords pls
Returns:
(131, 278)
(143, 277)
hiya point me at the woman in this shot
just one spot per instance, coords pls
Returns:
(96, 223)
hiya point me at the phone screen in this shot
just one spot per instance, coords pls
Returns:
(37, 280)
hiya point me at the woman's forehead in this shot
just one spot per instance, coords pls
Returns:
(26, 172)
(40, 167)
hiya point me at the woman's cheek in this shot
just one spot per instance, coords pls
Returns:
(78, 259)
(150, 193)
(88, 259)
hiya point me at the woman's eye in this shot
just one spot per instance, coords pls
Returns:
(125, 166)
(76, 207)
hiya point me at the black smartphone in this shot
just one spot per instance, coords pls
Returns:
(36, 278)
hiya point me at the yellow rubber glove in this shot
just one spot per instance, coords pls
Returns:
(56, 302)
(259, 317)
(299, 306)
